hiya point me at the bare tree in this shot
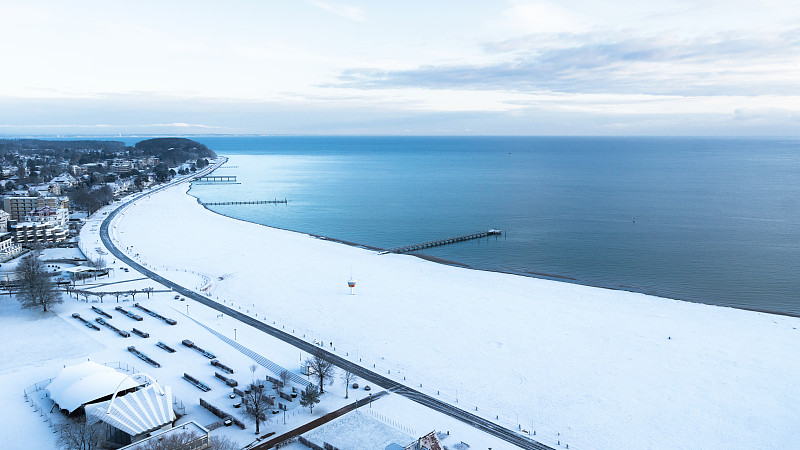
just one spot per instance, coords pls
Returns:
(78, 434)
(322, 369)
(99, 263)
(348, 377)
(36, 287)
(285, 377)
(133, 293)
(253, 368)
(178, 440)
(148, 291)
(169, 441)
(222, 443)
(256, 404)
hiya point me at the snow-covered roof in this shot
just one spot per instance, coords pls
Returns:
(85, 382)
(43, 211)
(137, 412)
(190, 427)
(64, 178)
(79, 269)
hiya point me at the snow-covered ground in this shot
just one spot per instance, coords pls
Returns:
(34, 346)
(592, 367)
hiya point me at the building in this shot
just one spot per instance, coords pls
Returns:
(41, 225)
(198, 437)
(32, 232)
(77, 170)
(46, 188)
(19, 207)
(128, 409)
(65, 181)
(8, 247)
(122, 166)
(4, 218)
(46, 214)
(87, 382)
(427, 442)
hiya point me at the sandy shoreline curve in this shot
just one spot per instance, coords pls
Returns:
(530, 274)
(604, 368)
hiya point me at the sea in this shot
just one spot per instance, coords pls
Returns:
(710, 220)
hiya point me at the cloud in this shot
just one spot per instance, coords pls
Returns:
(766, 114)
(105, 125)
(719, 64)
(541, 17)
(348, 12)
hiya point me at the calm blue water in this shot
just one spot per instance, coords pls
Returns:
(708, 220)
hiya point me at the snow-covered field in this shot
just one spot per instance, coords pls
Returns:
(592, 367)
(35, 346)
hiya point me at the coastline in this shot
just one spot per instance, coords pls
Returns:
(529, 274)
(592, 364)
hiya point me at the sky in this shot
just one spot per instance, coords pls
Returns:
(324, 67)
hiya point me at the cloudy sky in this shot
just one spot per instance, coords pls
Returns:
(574, 67)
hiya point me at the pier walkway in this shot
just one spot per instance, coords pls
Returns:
(445, 241)
(216, 179)
(248, 202)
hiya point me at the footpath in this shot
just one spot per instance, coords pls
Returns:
(317, 422)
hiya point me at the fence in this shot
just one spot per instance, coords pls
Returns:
(391, 422)
(29, 393)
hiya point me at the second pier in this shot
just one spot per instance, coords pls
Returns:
(439, 242)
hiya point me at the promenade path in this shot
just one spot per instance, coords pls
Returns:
(310, 348)
(317, 422)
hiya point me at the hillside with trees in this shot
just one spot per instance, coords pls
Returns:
(172, 151)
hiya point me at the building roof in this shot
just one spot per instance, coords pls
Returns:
(86, 382)
(137, 412)
(190, 427)
(44, 211)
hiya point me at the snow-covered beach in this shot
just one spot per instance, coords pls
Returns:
(602, 368)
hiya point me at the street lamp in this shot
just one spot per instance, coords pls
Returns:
(187, 309)
(234, 334)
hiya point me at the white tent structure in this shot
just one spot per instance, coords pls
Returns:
(138, 412)
(86, 382)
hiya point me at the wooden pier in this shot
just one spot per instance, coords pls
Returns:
(250, 202)
(217, 179)
(440, 242)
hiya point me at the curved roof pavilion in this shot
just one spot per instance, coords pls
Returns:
(85, 383)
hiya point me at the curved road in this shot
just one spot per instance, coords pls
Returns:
(363, 373)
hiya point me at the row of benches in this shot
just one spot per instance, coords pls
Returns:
(143, 357)
(156, 315)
